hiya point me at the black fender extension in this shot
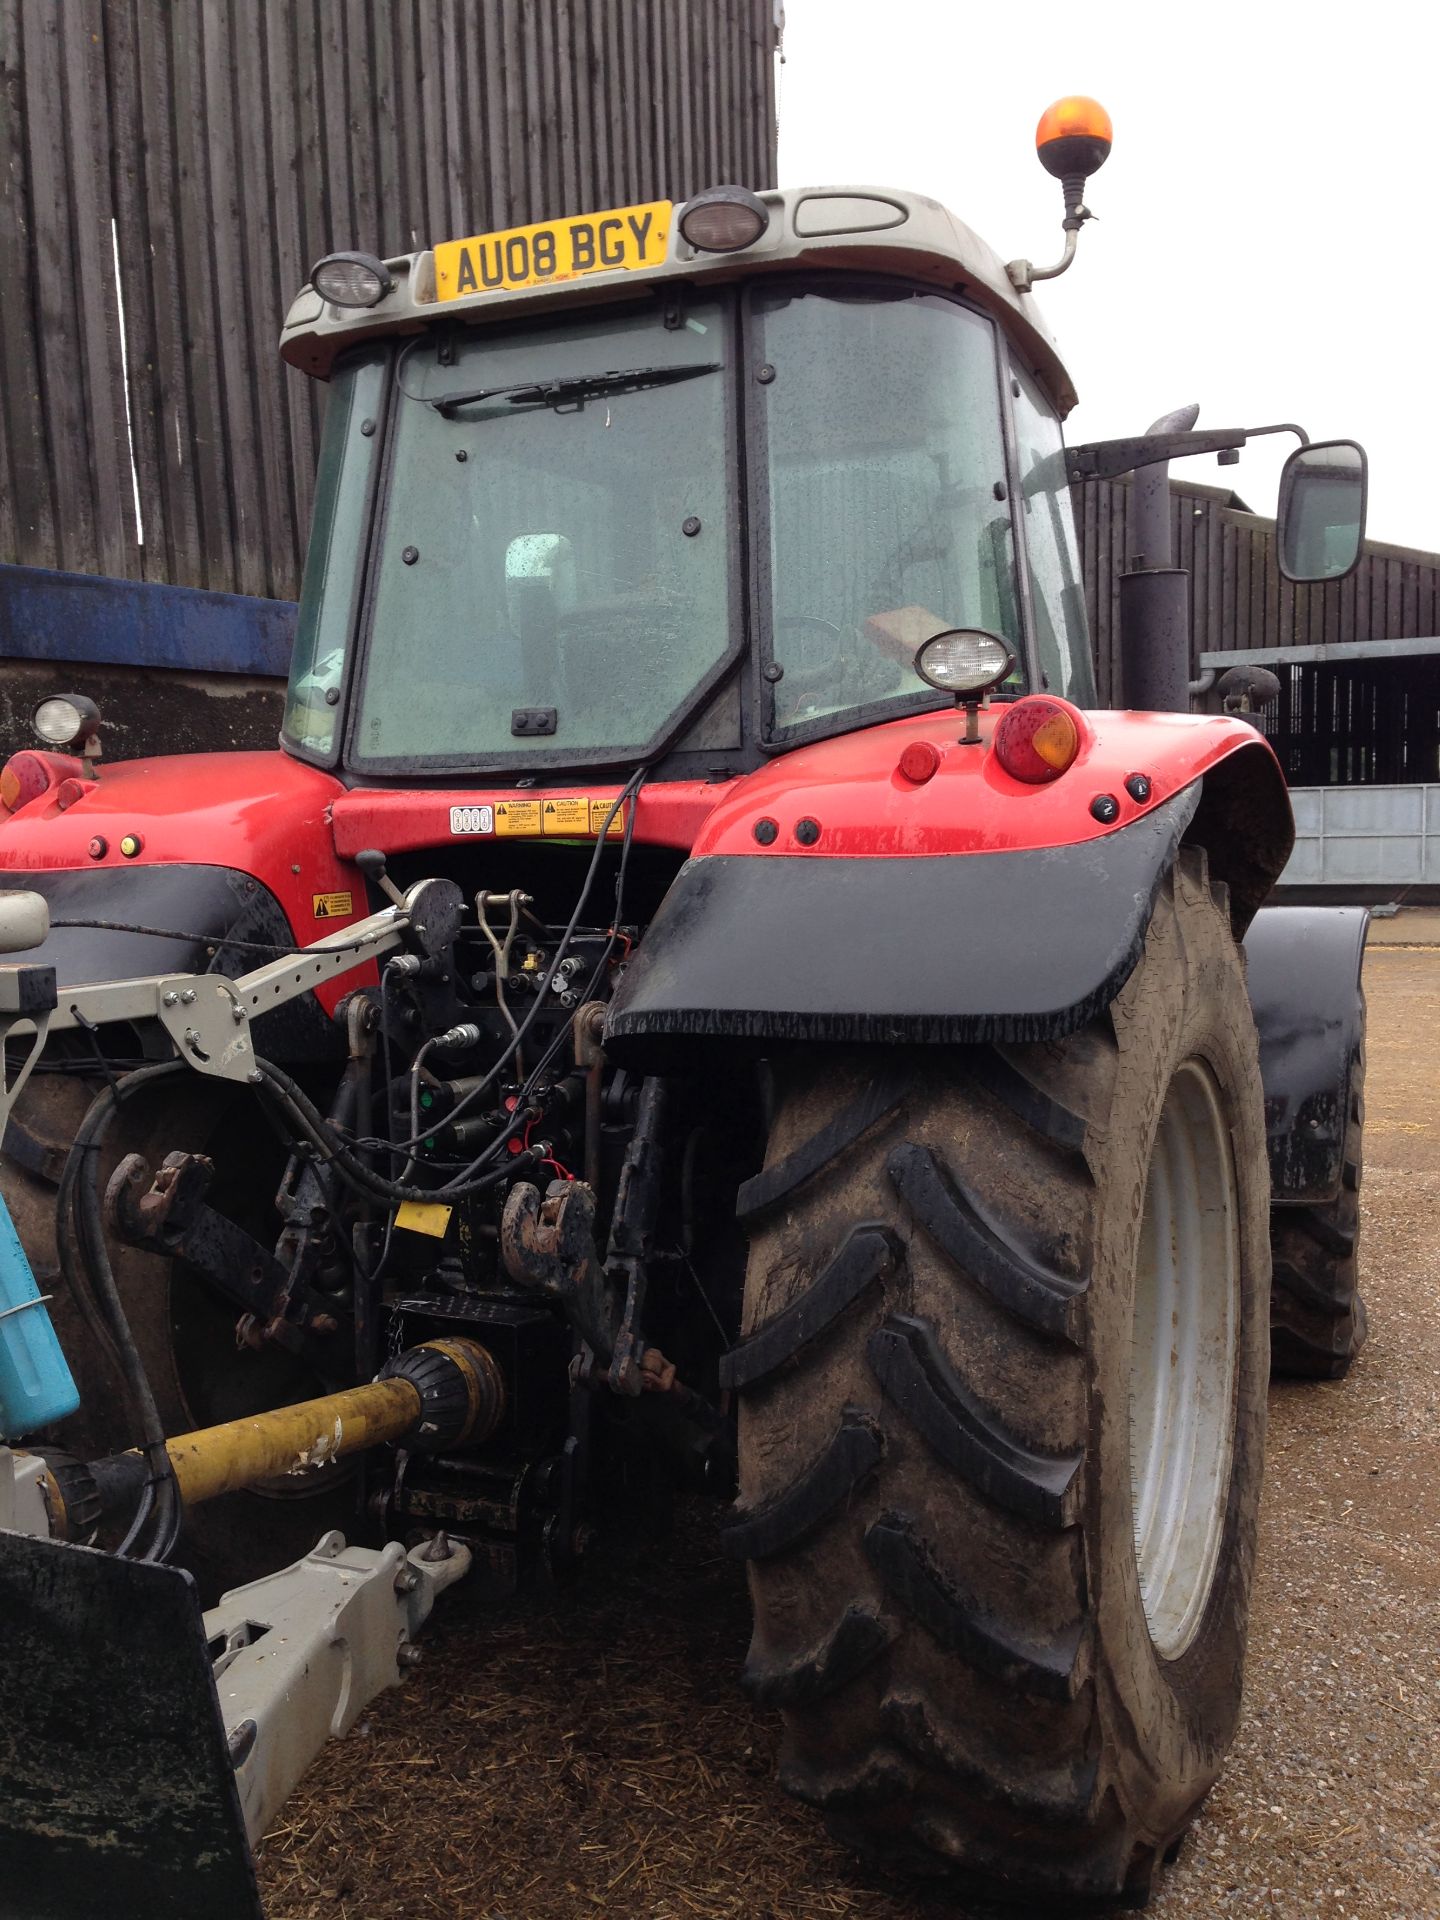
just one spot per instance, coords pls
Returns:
(1303, 969)
(944, 949)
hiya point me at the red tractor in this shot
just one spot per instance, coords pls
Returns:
(768, 1027)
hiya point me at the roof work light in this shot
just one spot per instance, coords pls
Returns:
(723, 220)
(351, 279)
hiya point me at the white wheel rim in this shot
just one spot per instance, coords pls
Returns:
(1184, 1352)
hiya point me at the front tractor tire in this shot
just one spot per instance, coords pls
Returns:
(1002, 1406)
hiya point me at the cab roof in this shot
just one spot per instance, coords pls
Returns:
(863, 229)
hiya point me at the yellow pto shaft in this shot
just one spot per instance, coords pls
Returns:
(218, 1460)
(443, 1393)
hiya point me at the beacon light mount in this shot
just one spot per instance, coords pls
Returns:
(1073, 141)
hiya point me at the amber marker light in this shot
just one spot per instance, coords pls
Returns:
(1074, 136)
(1036, 740)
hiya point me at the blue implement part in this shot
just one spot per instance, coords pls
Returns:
(35, 1383)
(82, 617)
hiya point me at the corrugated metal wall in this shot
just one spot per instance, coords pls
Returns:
(215, 148)
(1237, 599)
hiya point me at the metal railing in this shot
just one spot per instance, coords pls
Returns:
(1365, 836)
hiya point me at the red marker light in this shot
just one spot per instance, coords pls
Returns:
(1037, 740)
(919, 761)
(69, 791)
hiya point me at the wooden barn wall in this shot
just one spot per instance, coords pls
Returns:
(1237, 599)
(214, 149)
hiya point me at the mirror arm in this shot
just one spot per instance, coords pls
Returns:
(1280, 426)
(1108, 459)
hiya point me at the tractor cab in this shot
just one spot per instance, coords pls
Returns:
(696, 505)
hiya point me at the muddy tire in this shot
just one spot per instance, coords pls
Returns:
(185, 1333)
(1317, 1318)
(957, 1287)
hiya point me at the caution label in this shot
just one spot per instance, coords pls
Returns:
(517, 817)
(423, 1216)
(567, 816)
(332, 906)
(575, 814)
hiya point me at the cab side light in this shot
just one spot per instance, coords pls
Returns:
(1037, 739)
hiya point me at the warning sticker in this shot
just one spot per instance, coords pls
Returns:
(567, 816)
(424, 1216)
(472, 819)
(598, 811)
(332, 906)
(517, 816)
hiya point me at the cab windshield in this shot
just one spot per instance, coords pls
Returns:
(554, 565)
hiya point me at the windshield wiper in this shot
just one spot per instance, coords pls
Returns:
(573, 386)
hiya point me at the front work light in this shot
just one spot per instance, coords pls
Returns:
(351, 279)
(723, 220)
(964, 661)
(66, 720)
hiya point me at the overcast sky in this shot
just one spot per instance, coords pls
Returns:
(1266, 236)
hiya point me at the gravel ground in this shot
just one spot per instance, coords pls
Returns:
(596, 1756)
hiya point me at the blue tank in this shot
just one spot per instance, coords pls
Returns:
(35, 1383)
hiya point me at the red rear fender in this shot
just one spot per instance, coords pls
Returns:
(261, 814)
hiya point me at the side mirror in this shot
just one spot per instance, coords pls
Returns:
(1320, 519)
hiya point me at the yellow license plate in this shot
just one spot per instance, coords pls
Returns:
(623, 238)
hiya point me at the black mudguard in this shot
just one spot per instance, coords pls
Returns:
(214, 909)
(955, 948)
(1303, 966)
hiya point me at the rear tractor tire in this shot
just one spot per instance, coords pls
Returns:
(1317, 1318)
(1002, 1405)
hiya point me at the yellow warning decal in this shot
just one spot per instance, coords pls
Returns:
(332, 906)
(424, 1216)
(517, 816)
(567, 816)
(598, 811)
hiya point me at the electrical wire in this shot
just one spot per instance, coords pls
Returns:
(78, 1211)
(628, 793)
(276, 950)
(306, 1118)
